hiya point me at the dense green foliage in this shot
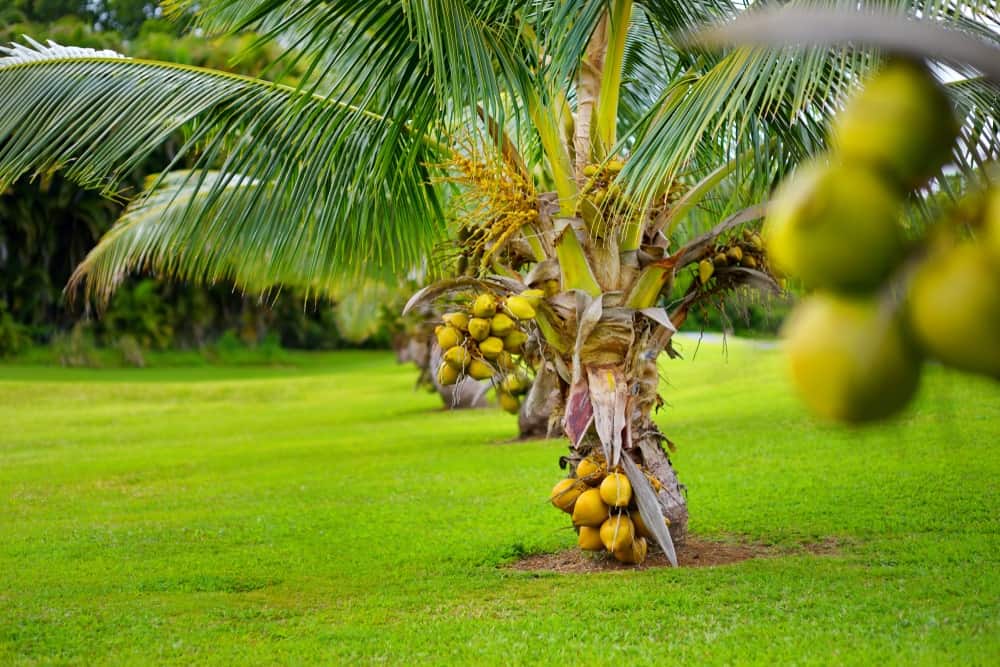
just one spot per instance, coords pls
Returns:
(324, 512)
(47, 226)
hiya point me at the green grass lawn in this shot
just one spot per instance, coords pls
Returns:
(327, 513)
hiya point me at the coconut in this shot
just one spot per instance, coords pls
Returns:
(900, 122)
(565, 493)
(591, 471)
(589, 510)
(515, 340)
(617, 532)
(533, 296)
(508, 402)
(491, 347)
(633, 554)
(447, 375)
(511, 383)
(504, 360)
(836, 227)
(479, 328)
(458, 358)
(520, 307)
(705, 270)
(458, 320)
(448, 337)
(849, 358)
(590, 539)
(616, 490)
(734, 254)
(480, 370)
(954, 308)
(485, 306)
(991, 223)
(501, 325)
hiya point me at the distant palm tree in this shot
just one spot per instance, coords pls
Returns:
(573, 145)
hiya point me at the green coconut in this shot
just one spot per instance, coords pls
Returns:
(954, 308)
(901, 122)
(850, 359)
(835, 227)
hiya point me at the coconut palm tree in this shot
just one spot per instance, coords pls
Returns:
(579, 147)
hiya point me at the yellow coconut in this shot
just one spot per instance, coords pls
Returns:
(734, 254)
(520, 307)
(513, 383)
(565, 493)
(491, 347)
(836, 227)
(617, 532)
(501, 325)
(508, 402)
(479, 328)
(589, 510)
(705, 270)
(458, 358)
(505, 361)
(991, 223)
(447, 375)
(849, 358)
(901, 122)
(954, 308)
(719, 260)
(480, 370)
(640, 525)
(590, 539)
(632, 554)
(616, 490)
(485, 306)
(514, 341)
(533, 296)
(591, 471)
(552, 287)
(458, 320)
(448, 337)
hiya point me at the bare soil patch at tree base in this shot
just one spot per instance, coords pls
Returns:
(694, 552)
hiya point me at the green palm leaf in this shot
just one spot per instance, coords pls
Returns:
(338, 189)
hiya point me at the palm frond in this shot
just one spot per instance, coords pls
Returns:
(338, 187)
(722, 106)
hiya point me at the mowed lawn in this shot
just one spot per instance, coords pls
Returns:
(327, 513)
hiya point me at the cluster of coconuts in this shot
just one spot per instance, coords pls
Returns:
(603, 510)
(600, 187)
(485, 342)
(746, 251)
(855, 346)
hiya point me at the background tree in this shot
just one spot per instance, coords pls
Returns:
(562, 145)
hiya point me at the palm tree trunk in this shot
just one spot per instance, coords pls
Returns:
(642, 440)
